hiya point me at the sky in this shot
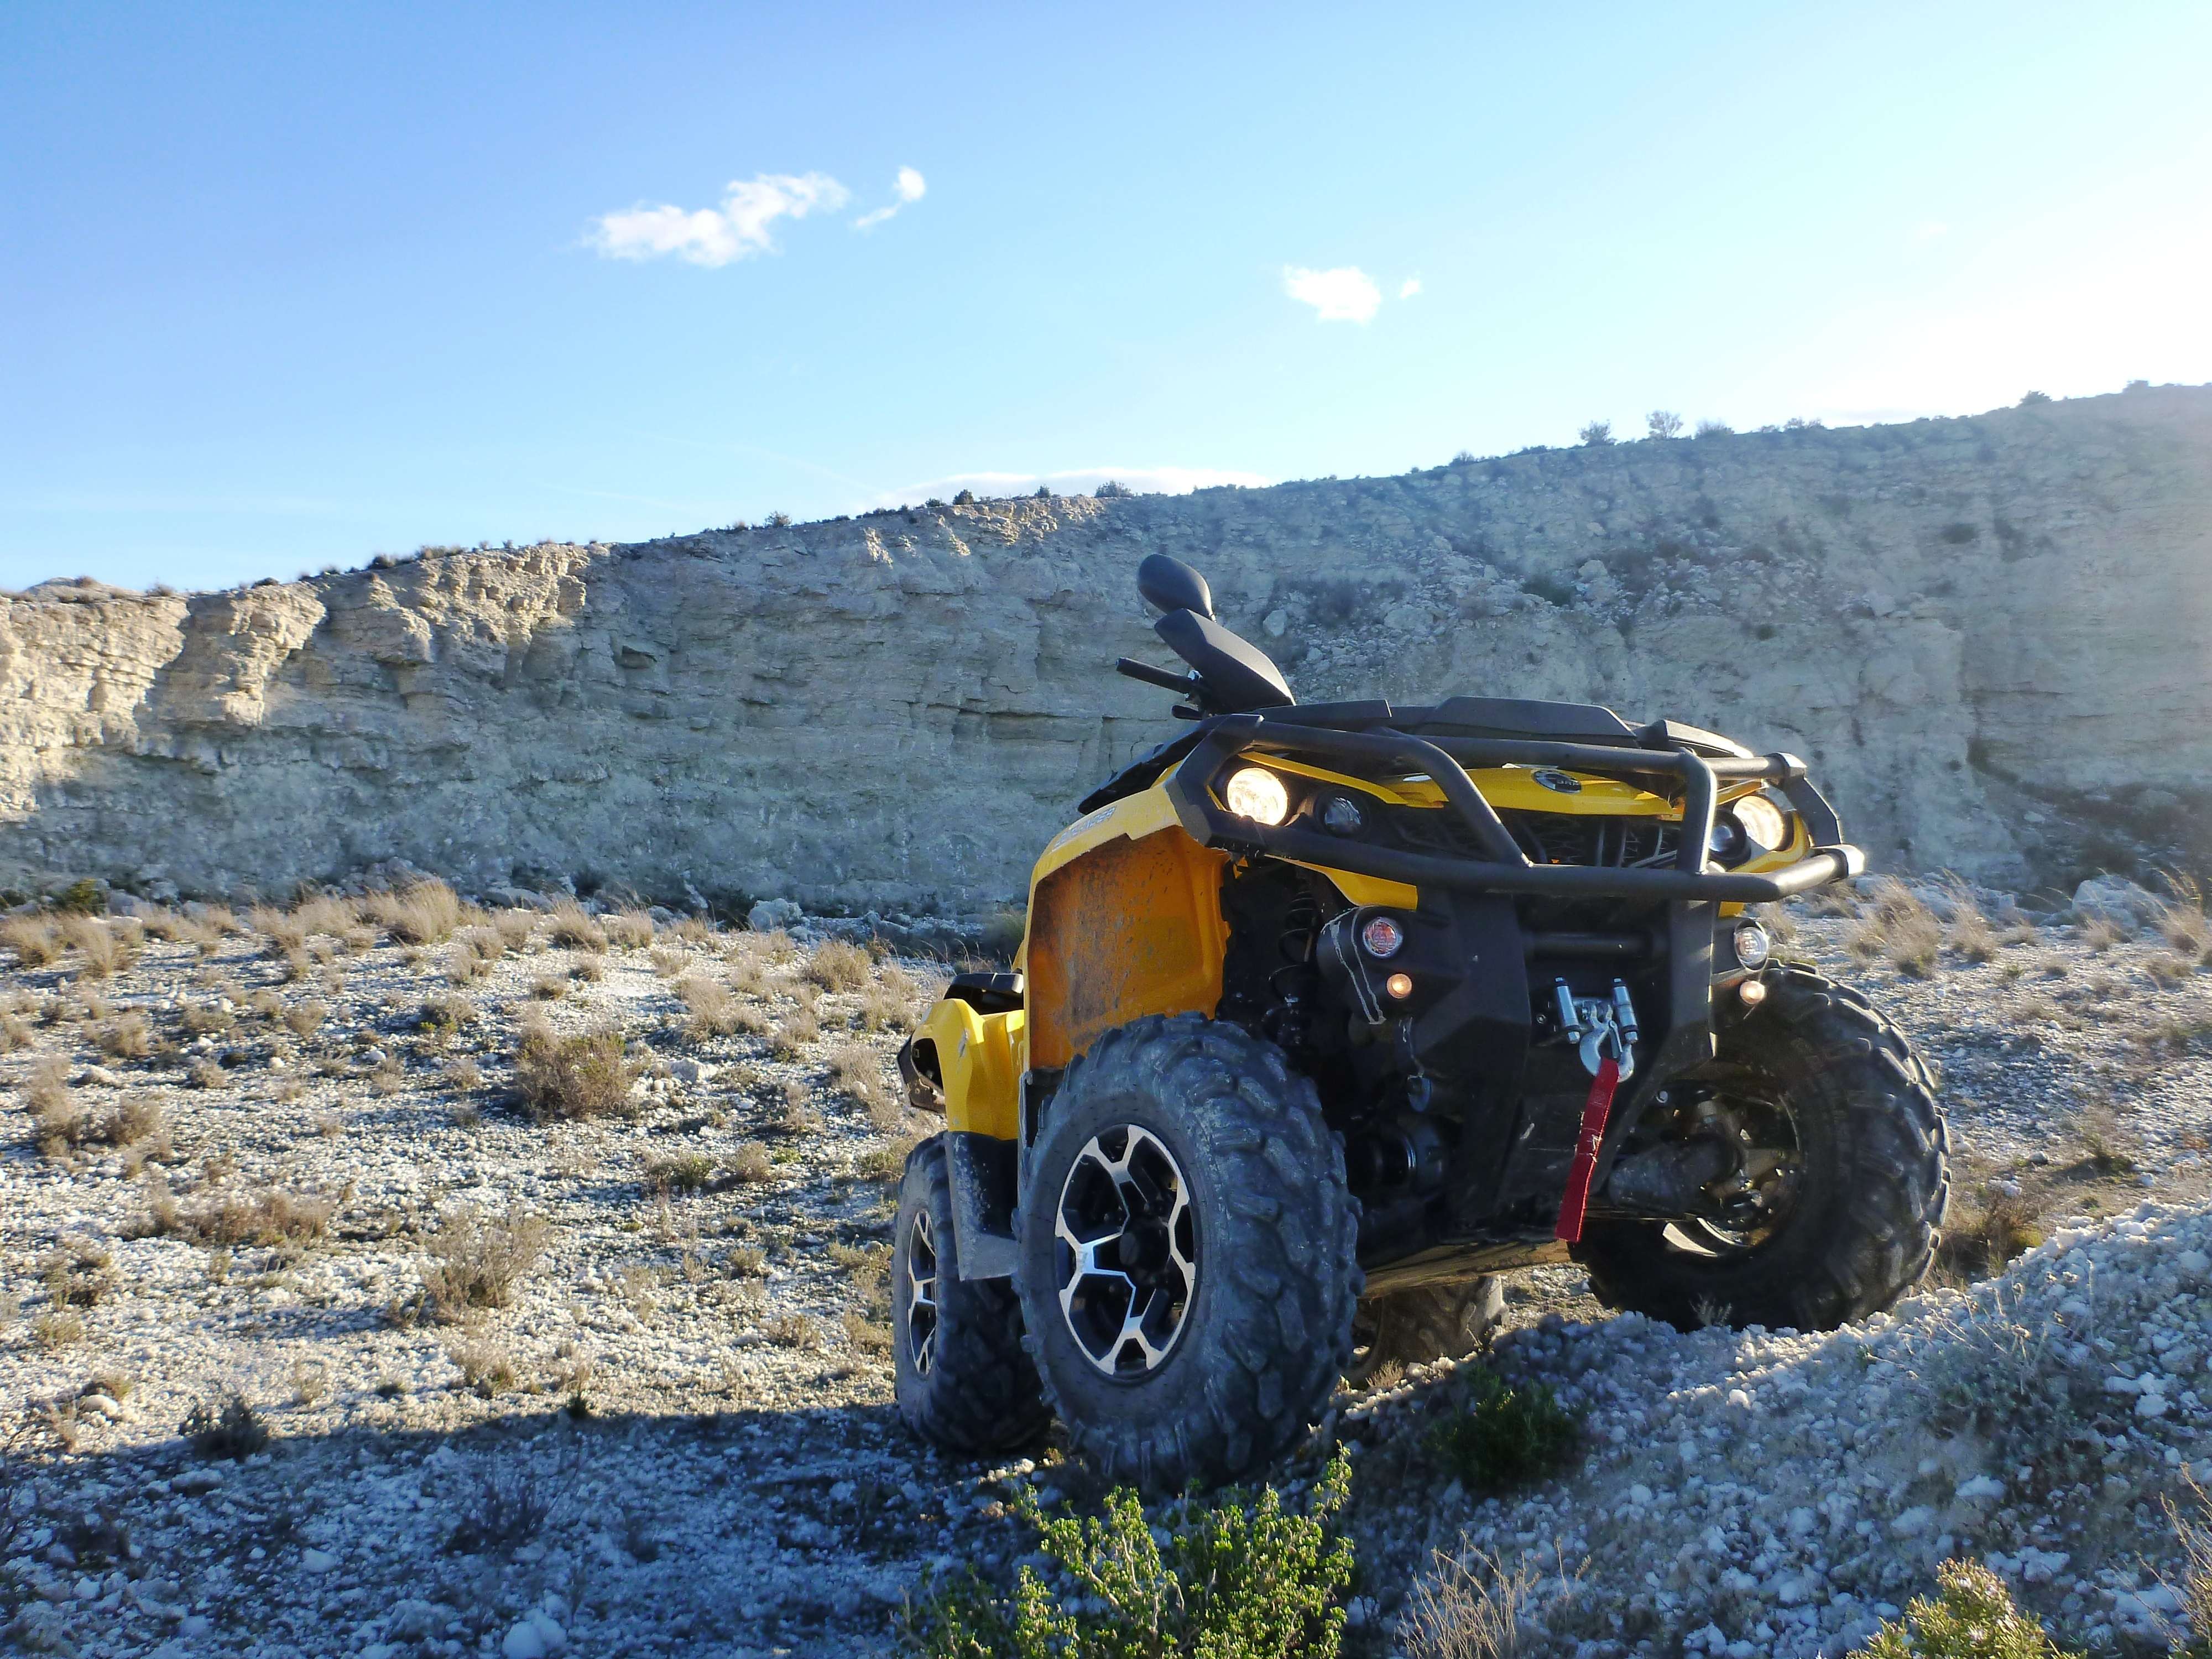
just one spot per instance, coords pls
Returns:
(283, 287)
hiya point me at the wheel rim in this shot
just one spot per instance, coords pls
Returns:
(1126, 1245)
(921, 1295)
(1769, 1179)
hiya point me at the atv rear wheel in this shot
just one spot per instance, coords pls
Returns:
(1429, 1322)
(1858, 1171)
(1186, 1268)
(960, 1375)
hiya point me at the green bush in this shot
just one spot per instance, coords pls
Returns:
(1973, 1618)
(1510, 1433)
(1237, 1577)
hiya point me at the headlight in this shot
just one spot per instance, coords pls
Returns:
(1256, 793)
(1752, 947)
(1762, 821)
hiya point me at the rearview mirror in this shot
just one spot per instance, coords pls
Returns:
(1171, 585)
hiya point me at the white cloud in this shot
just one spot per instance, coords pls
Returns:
(1409, 288)
(743, 226)
(1345, 294)
(909, 184)
(1929, 229)
(1075, 481)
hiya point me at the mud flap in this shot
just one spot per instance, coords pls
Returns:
(980, 1169)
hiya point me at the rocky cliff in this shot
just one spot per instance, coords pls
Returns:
(1989, 634)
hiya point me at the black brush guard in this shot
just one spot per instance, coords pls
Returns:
(1507, 869)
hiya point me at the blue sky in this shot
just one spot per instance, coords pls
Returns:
(284, 286)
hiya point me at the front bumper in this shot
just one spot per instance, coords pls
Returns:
(1504, 869)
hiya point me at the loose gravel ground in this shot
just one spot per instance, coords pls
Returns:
(678, 1435)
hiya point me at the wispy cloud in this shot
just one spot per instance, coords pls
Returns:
(742, 227)
(1409, 288)
(1345, 294)
(909, 186)
(1929, 229)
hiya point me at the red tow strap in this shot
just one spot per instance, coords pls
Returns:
(1577, 1197)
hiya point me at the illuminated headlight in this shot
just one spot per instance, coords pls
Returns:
(1256, 793)
(1752, 947)
(1762, 821)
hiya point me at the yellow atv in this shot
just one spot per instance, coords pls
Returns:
(1326, 1014)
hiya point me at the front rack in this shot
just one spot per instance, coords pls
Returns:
(1504, 868)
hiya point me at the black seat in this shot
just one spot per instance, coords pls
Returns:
(987, 994)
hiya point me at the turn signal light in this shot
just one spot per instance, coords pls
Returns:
(1381, 936)
(1400, 986)
(1753, 992)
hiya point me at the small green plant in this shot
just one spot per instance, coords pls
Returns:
(1972, 1617)
(1510, 1432)
(1236, 1577)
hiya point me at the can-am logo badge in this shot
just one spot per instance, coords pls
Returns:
(1560, 782)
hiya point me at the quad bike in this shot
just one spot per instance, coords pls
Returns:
(1327, 1013)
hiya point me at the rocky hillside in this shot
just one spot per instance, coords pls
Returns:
(1988, 634)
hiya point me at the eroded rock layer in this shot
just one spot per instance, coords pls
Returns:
(1989, 634)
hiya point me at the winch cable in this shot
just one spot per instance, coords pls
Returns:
(1576, 1198)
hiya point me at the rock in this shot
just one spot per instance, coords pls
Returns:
(313, 1560)
(197, 1480)
(96, 1077)
(534, 1637)
(769, 915)
(2119, 901)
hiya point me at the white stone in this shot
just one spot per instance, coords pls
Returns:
(524, 1642)
(318, 1560)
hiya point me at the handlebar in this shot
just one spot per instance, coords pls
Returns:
(1166, 677)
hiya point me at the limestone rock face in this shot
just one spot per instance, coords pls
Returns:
(1989, 635)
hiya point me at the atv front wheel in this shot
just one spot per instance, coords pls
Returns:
(960, 1375)
(1429, 1322)
(1841, 1116)
(1186, 1268)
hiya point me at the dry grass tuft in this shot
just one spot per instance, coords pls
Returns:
(486, 1367)
(629, 930)
(715, 1009)
(422, 914)
(572, 1077)
(1980, 1240)
(127, 1036)
(2187, 931)
(1895, 927)
(680, 1172)
(885, 1164)
(1468, 1607)
(476, 951)
(476, 1261)
(516, 929)
(1970, 934)
(751, 1162)
(573, 925)
(271, 1218)
(793, 1034)
(859, 1072)
(78, 1274)
(2101, 933)
(837, 966)
(794, 1331)
(35, 940)
(549, 988)
(100, 948)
